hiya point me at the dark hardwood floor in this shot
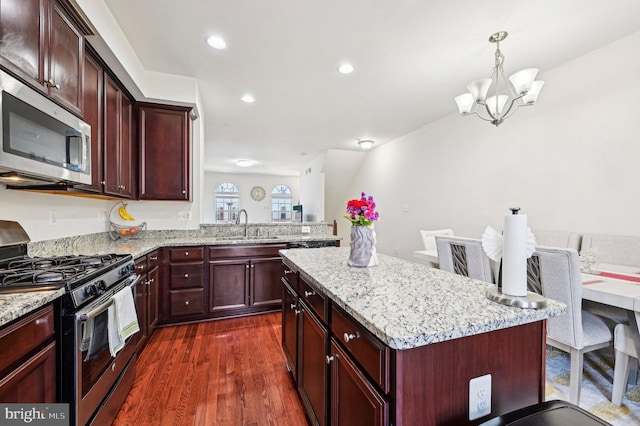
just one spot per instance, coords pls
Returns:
(225, 372)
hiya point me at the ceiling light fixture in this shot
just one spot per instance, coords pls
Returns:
(244, 163)
(217, 42)
(248, 98)
(345, 69)
(507, 96)
(366, 144)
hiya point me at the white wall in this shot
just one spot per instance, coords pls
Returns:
(570, 162)
(258, 211)
(312, 194)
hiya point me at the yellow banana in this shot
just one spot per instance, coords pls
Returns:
(122, 211)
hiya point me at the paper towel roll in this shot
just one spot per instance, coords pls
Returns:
(514, 255)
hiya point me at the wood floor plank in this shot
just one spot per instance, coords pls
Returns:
(224, 372)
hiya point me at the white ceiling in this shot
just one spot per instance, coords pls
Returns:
(411, 58)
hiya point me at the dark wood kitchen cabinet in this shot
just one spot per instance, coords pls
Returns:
(28, 359)
(183, 297)
(244, 279)
(290, 312)
(118, 142)
(164, 160)
(146, 297)
(42, 42)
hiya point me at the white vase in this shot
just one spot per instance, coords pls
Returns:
(363, 247)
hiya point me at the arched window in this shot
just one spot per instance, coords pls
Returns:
(281, 204)
(227, 202)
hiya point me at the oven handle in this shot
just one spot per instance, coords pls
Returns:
(85, 316)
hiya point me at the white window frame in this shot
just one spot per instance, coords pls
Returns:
(227, 203)
(281, 204)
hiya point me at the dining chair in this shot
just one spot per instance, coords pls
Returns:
(464, 256)
(429, 237)
(578, 331)
(625, 350)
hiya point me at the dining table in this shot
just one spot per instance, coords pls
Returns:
(619, 286)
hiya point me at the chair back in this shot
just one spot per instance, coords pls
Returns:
(429, 237)
(464, 256)
(557, 272)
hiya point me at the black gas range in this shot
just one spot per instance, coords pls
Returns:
(92, 381)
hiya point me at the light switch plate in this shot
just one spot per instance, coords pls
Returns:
(305, 229)
(479, 397)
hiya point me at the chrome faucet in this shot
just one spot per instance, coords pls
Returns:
(246, 220)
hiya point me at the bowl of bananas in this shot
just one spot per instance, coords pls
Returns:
(118, 230)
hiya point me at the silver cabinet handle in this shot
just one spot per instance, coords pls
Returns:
(348, 337)
(141, 267)
(103, 183)
(328, 358)
(186, 275)
(113, 367)
(186, 253)
(246, 266)
(309, 293)
(153, 258)
(287, 271)
(184, 191)
(186, 302)
(297, 311)
(293, 306)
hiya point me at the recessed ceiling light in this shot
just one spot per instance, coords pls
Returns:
(217, 42)
(248, 99)
(345, 69)
(366, 144)
(244, 163)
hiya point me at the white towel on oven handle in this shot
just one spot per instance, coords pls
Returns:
(123, 320)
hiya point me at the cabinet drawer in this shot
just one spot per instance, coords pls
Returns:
(245, 250)
(141, 265)
(316, 300)
(186, 253)
(19, 339)
(187, 302)
(153, 259)
(366, 349)
(186, 275)
(290, 277)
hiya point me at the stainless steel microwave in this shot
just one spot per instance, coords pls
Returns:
(41, 141)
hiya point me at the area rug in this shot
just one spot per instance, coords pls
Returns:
(597, 384)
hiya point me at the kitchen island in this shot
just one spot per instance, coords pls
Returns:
(401, 342)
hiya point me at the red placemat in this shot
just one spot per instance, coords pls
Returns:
(591, 282)
(620, 277)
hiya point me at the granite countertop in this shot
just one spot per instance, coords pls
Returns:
(406, 304)
(15, 305)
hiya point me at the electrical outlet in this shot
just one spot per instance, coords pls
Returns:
(102, 216)
(53, 217)
(305, 229)
(479, 397)
(185, 215)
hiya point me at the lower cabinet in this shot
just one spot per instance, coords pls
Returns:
(146, 297)
(312, 373)
(28, 359)
(340, 370)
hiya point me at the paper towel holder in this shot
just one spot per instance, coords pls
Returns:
(530, 301)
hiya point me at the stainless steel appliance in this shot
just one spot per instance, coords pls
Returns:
(41, 142)
(95, 386)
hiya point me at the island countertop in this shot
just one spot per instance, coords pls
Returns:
(406, 304)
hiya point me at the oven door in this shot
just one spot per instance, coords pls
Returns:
(97, 374)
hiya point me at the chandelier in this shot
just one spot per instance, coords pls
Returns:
(521, 89)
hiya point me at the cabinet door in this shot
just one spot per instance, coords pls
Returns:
(117, 139)
(265, 282)
(290, 312)
(354, 400)
(23, 38)
(153, 280)
(312, 374)
(93, 109)
(140, 299)
(164, 154)
(228, 285)
(32, 382)
(66, 52)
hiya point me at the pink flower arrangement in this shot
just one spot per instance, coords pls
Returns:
(362, 212)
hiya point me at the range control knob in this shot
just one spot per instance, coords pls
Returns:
(90, 290)
(102, 286)
(126, 270)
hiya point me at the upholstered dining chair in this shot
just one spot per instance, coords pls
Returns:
(429, 237)
(464, 256)
(557, 272)
(625, 354)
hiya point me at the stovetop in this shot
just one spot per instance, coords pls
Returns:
(80, 275)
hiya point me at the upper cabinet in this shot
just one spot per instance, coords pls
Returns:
(164, 153)
(40, 43)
